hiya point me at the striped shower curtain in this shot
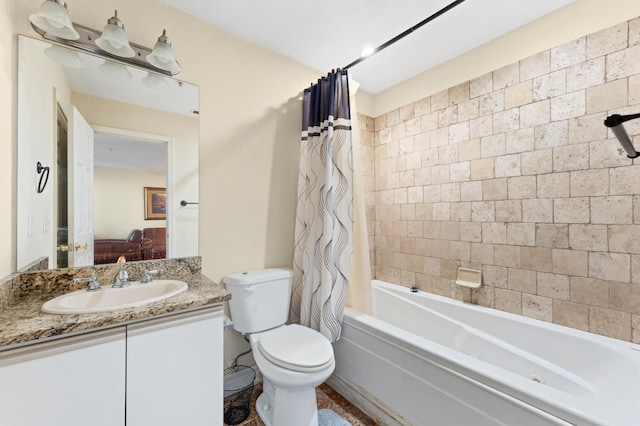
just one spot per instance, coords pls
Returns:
(324, 216)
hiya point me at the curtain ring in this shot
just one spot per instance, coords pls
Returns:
(43, 171)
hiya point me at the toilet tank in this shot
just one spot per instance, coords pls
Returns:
(259, 299)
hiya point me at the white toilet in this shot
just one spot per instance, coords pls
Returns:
(293, 359)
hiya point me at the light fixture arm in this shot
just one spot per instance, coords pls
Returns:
(86, 43)
(614, 122)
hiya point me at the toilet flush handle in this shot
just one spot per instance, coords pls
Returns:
(250, 288)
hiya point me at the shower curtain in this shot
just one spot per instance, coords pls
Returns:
(324, 215)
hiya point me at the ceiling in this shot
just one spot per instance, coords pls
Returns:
(329, 34)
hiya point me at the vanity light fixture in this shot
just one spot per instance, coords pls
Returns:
(162, 55)
(114, 40)
(52, 22)
(53, 18)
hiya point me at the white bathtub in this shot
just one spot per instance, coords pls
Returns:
(429, 360)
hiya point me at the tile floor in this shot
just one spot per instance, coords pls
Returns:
(327, 398)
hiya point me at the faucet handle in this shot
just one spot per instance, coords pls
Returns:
(146, 278)
(93, 285)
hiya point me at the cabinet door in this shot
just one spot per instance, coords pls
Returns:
(74, 381)
(174, 370)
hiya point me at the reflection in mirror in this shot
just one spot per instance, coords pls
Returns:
(108, 131)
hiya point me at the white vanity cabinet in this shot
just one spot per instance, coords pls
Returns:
(75, 381)
(174, 370)
(159, 372)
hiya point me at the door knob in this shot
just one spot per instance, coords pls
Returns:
(62, 247)
(82, 246)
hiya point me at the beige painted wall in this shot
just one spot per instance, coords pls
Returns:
(122, 187)
(575, 20)
(7, 139)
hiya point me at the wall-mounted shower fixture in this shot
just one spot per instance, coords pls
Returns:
(53, 23)
(614, 122)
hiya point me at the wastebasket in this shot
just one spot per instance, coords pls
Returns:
(238, 388)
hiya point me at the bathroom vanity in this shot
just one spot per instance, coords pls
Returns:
(159, 364)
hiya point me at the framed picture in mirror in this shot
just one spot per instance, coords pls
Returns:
(155, 203)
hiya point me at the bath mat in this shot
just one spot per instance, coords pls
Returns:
(328, 417)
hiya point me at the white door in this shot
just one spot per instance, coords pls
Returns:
(80, 190)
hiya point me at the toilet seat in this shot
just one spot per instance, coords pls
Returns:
(296, 348)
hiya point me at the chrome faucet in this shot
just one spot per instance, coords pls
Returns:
(122, 278)
(146, 278)
(94, 285)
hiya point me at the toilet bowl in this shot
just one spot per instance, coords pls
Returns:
(293, 359)
(291, 373)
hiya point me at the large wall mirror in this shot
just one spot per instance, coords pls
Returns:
(106, 153)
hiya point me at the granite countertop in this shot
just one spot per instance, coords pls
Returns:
(23, 322)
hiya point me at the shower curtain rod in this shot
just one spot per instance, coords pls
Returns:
(404, 33)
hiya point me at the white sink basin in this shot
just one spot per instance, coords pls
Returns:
(109, 298)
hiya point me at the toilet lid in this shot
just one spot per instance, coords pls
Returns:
(297, 348)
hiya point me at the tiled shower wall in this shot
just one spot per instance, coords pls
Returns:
(515, 174)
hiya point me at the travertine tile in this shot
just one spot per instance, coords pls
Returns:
(535, 114)
(505, 121)
(623, 63)
(607, 96)
(571, 314)
(441, 211)
(506, 76)
(589, 183)
(586, 74)
(625, 297)
(481, 126)
(508, 301)
(469, 150)
(431, 193)
(509, 211)
(440, 174)
(495, 276)
(407, 112)
(553, 185)
(610, 323)
(571, 210)
(537, 210)
(537, 307)
(570, 262)
(612, 210)
(481, 85)
(448, 116)
(460, 250)
(634, 31)
(552, 236)
(482, 253)
(494, 189)
(588, 237)
(551, 135)
(521, 234)
(590, 291)
(422, 107)
(554, 286)
(587, 128)
(450, 192)
(635, 324)
(518, 94)
(483, 168)
(493, 146)
(535, 65)
(459, 172)
(536, 259)
(461, 212)
(494, 233)
(440, 100)
(429, 122)
(634, 90)
(459, 94)
(610, 266)
(471, 191)
(508, 165)
(508, 256)
(521, 187)
(624, 180)
(520, 140)
(536, 162)
(567, 106)
(483, 211)
(624, 239)
(570, 53)
(470, 231)
(607, 41)
(522, 280)
(570, 157)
